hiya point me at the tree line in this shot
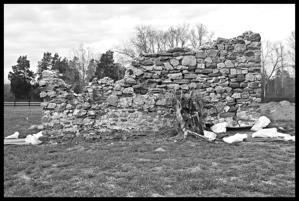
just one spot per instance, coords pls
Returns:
(148, 39)
(78, 71)
(85, 65)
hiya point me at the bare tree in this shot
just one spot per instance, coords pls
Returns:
(200, 35)
(272, 58)
(183, 34)
(84, 55)
(151, 40)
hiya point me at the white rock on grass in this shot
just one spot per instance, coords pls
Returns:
(15, 135)
(272, 133)
(38, 135)
(32, 127)
(40, 127)
(266, 133)
(30, 139)
(159, 150)
(210, 135)
(220, 127)
(261, 123)
(235, 138)
(286, 137)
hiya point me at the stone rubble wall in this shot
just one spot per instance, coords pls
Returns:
(226, 75)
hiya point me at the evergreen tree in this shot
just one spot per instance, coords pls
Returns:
(45, 64)
(107, 68)
(20, 78)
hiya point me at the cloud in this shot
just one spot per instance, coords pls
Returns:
(32, 29)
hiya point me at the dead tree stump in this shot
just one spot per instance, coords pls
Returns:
(189, 115)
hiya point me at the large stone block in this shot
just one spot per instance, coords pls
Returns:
(249, 77)
(128, 90)
(212, 53)
(175, 76)
(189, 61)
(167, 66)
(125, 102)
(174, 62)
(190, 76)
(201, 54)
(239, 48)
(229, 64)
(220, 65)
(112, 100)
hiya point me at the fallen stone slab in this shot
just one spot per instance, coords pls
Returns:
(286, 137)
(266, 133)
(220, 127)
(33, 139)
(272, 133)
(261, 123)
(209, 135)
(235, 138)
(15, 142)
(15, 135)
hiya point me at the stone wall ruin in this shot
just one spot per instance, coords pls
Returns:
(226, 74)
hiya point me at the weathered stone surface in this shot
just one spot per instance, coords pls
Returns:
(220, 65)
(227, 114)
(201, 65)
(174, 62)
(219, 89)
(249, 77)
(253, 85)
(125, 102)
(48, 74)
(189, 61)
(240, 48)
(147, 62)
(208, 60)
(236, 95)
(158, 68)
(255, 37)
(167, 66)
(224, 71)
(190, 76)
(229, 64)
(243, 85)
(249, 54)
(201, 54)
(240, 78)
(112, 100)
(175, 76)
(139, 100)
(254, 45)
(234, 85)
(51, 105)
(128, 90)
(212, 53)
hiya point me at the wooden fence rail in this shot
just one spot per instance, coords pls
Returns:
(22, 103)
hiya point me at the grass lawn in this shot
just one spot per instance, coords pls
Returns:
(133, 168)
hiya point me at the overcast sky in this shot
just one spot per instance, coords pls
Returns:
(36, 28)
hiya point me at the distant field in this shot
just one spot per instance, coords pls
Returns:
(133, 168)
